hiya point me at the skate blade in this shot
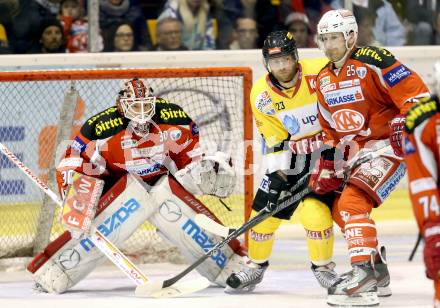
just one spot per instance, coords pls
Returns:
(155, 290)
(384, 291)
(244, 290)
(365, 299)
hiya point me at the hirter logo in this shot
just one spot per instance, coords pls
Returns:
(347, 120)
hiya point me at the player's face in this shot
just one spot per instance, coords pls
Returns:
(333, 45)
(283, 68)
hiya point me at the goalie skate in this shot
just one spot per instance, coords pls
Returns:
(246, 280)
(326, 275)
(359, 288)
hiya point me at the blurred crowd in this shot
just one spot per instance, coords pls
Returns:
(58, 26)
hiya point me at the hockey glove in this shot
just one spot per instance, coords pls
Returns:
(323, 178)
(431, 252)
(273, 188)
(397, 125)
(80, 204)
(217, 176)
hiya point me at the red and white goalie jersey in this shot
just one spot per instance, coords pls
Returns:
(358, 101)
(107, 148)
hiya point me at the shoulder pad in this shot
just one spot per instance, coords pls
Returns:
(420, 112)
(171, 114)
(104, 124)
(376, 56)
(160, 100)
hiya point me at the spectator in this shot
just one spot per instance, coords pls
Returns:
(313, 9)
(249, 8)
(198, 31)
(270, 16)
(245, 34)
(51, 37)
(436, 38)
(120, 37)
(7, 8)
(298, 24)
(26, 25)
(75, 26)
(388, 29)
(226, 13)
(419, 16)
(112, 12)
(4, 42)
(365, 19)
(169, 35)
(48, 8)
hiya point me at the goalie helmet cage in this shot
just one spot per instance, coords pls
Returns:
(43, 109)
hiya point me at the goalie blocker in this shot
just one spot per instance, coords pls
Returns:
(121, 210)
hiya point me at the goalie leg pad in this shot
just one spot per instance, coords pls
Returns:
(175, 223)
(316, 218)
(66, 261)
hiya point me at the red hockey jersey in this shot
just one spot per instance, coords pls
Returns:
(371, 88)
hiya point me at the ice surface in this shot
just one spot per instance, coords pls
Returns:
(287, 283)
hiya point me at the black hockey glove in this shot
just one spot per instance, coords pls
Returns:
(273, 188)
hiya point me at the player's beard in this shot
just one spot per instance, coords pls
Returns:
(285, 75)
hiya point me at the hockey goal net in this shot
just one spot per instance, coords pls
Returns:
(42, 110)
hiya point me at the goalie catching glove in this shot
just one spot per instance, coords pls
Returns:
(212, 175)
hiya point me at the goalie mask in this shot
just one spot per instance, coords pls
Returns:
(138, 104)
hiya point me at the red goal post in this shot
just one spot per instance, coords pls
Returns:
(43, 109)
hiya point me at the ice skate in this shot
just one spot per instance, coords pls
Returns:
(357, 288)
(382, 275)
(246, 279)
(326, 275)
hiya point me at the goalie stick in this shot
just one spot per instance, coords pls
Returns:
(111, 251)
(212, 226)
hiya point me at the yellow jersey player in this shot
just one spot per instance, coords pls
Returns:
(284, 104)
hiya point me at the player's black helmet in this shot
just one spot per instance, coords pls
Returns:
(278, 44)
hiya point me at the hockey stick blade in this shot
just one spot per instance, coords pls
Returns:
(212, 226)
(156, 290)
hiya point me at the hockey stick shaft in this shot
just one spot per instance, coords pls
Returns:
(416, 245)
(270, 210)
(216, 228)
(106, 247)
(262, 215)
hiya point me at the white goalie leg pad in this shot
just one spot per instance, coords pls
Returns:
(66, 261)
(175, 223)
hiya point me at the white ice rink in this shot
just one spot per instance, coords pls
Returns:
(287, 283)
